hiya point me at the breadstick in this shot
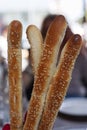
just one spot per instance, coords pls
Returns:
(45, 71)
(14, 74)
(36, 41)
(60, 82)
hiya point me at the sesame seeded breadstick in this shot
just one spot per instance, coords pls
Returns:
(60, 82)
(14, 74)
(45, 71)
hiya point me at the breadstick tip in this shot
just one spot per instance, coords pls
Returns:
(77, 39)
(14, 34)
(31, 31)
(60, 19)
(30, 27)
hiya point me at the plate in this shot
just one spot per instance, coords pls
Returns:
(71, 128)
(74, 107)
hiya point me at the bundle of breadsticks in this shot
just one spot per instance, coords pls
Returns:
(50, 81)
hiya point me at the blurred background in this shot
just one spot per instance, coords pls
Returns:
(33, 12)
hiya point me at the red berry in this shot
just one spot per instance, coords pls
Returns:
(6, 127)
